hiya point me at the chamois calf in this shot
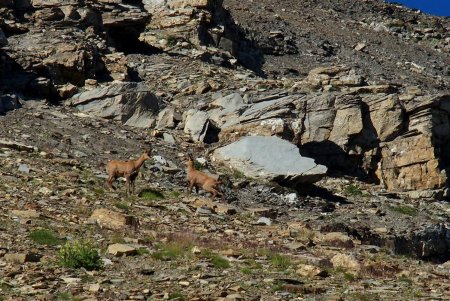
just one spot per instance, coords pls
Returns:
(200, 179)
(127, 169)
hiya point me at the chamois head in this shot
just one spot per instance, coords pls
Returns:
(190, 161)
(146, 154)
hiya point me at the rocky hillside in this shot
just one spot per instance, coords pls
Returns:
(327, 122)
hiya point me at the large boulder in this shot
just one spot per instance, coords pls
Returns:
(132, 104)
(270, 158)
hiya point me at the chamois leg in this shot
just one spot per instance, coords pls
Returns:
(191, 184)
(213, 191)
(109, 181)
(128, 179)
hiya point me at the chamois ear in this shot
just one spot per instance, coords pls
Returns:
(190, 156)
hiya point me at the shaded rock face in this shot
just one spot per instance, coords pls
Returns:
(198, 23)
(65, 54)
(380, 138)
(9, 102)
(270, 158)
(132, 104)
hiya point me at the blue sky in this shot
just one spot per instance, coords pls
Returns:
(432, 7)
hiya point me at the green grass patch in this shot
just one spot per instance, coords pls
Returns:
(174, 194)
(169, 251)
(405, 279)
(172, 40)
(151, 194)
(250, 266)
(176, 296)
(66, 296)
(238, 174)
(279, 261)
(98, 190)
(352, 190)
(349, 276)
(45, 237)
(216, 260)
(404, 209)
(80, 254)
(122, 206)
(219, 262)
(142, 251)
(277, 287)
(362, 296)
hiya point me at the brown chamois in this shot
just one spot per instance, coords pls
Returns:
(200, 179)
(127, 169)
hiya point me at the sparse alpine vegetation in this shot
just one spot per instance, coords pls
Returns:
(80, 254)
(45, 237)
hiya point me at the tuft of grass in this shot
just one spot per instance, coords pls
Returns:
(352, 190)
(98, 190)
(142, 251)
(349, 276)
(122, 206)
(80, 254)
(404, 209)
(172, 40)
(176, 296)
(277, 288)
(45, 237)
(66, 296)
(174, 194)
(250, 266)
(362, 296)
(238, 174)
(219, 262)
(169, 251)
(279, 261)
(151, 194)
(405, 279)
(216, 260)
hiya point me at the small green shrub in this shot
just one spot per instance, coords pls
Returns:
(45, 237)
(172, 40)
(352, 190)
(122, 206)
(404, 209)
(80, 253)
(219, 262)
(151, 194)
(349, 276)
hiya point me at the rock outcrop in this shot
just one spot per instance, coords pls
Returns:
(270, 158)
(132, 104)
